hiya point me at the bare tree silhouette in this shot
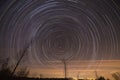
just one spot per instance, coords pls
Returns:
(23, 52)
(5, 71)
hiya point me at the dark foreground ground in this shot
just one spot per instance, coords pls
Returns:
(24, 78)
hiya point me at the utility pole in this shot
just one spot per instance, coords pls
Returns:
(78, 75)
(65, 69)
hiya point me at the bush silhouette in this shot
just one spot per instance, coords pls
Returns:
(101, 78)
(6, 73)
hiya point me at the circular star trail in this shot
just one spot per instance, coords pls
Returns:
(60, 29)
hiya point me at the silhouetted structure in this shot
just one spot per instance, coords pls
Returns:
(65, 68)
(96, 75)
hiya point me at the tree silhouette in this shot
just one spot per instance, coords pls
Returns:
(5, 71)
(101, 78)
(22, 52)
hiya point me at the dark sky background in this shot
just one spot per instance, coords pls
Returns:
(59, 30)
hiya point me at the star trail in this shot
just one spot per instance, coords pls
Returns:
(68, 30)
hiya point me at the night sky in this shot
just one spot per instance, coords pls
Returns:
(54, 30)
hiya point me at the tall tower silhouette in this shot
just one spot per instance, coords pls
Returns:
(65, 68)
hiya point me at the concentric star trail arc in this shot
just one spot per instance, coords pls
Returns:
(62, 29)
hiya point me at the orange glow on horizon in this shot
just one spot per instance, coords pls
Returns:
(104, 68)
